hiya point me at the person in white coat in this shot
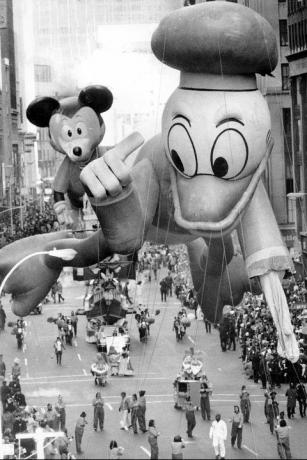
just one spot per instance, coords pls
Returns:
(218, 434)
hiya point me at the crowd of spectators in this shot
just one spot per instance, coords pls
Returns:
(258, 338)
(19, 418)
(33, 219)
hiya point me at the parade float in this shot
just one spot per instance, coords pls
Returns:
(189, 379)
(195, 183)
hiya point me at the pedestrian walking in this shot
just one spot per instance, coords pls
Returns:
(153, 440)
(218, 434)
(190, 416)
(58, 349)
(205, 391)
(236, 428)
(301, 396)
(79, 430)
(5, 391)
(2, 318)
(177, 447)
(74, 322)
(207, 326)
(54, 292)
(115, 451)
(283, 440)
(16, 369)
(60, 291)
(163, 290)
(2, 369)
(98, 404)
(245, 404)
(291, 400)
(134, 406)
(51, 417)
(61, 410)
(124, 409)
(272, 410)
(141, 414)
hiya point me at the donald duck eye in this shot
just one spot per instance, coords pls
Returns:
(79, 130)
(229, 154)
(181, 150)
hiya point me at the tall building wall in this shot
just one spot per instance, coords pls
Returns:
(297, 57)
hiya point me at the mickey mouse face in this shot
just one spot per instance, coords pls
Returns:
(75, 124)
(76, 136)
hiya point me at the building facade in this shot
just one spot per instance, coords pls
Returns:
(297, 58)
(11, 139)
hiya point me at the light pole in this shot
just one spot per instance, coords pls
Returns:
(64, 254)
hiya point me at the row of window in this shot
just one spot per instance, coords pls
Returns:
(296, 5)
(298, 35)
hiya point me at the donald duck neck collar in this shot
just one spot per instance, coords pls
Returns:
(212, 82)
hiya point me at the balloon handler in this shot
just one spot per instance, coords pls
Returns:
(196, 182)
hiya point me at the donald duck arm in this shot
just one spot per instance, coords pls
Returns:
(126, 218)
(267, 257)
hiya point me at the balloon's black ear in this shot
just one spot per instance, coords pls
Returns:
(40, 110)
(99, 98)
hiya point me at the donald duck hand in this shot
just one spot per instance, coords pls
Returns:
(109, 175)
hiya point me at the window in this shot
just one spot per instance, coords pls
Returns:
(283, 32)
(285, 80)
(42, 73)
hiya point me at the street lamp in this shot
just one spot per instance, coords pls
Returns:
(64, 254)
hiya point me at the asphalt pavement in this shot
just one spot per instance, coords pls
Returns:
(156, 365)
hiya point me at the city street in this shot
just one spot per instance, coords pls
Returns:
(156, 365)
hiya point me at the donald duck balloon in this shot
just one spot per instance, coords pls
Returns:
(197, 182)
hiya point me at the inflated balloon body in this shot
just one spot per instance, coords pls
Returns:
(75, 129)
(201, 178)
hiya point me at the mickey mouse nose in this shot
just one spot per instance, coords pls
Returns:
(77, 151)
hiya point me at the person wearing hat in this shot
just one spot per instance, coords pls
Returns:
(79, 430)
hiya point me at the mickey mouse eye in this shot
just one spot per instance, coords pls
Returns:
(181, 150)
(66, 131)
(81, 129)
(229, 154)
